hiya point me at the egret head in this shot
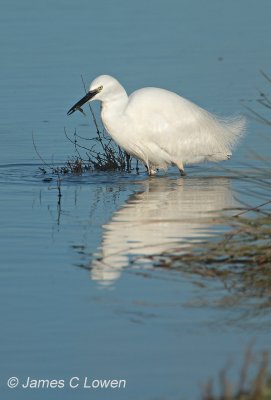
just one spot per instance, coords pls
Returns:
(103, 88)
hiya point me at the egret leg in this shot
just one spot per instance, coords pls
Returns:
(151, 170)
(180, 167)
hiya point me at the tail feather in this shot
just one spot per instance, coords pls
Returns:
(234, 130)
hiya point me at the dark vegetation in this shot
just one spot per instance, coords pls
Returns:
(248, 386)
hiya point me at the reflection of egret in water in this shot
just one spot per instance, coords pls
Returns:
(167, 216)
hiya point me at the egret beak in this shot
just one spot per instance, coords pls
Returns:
(86, 98)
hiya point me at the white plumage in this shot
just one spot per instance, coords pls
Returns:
(162, 128)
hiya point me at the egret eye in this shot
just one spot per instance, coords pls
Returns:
(100, 88)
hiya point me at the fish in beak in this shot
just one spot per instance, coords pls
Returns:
(81, 102)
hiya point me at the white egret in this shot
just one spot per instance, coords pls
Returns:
(160, 127)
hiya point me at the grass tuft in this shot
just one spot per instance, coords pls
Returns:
(257, 388)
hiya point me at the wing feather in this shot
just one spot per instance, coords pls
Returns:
(180, 128)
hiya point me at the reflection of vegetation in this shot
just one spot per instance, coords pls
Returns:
(242, 259)
(248, 244)
(258, 389)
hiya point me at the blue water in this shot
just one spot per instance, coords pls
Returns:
(79, 295)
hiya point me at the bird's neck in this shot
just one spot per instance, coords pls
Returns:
(112, 112)
(117, 102)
